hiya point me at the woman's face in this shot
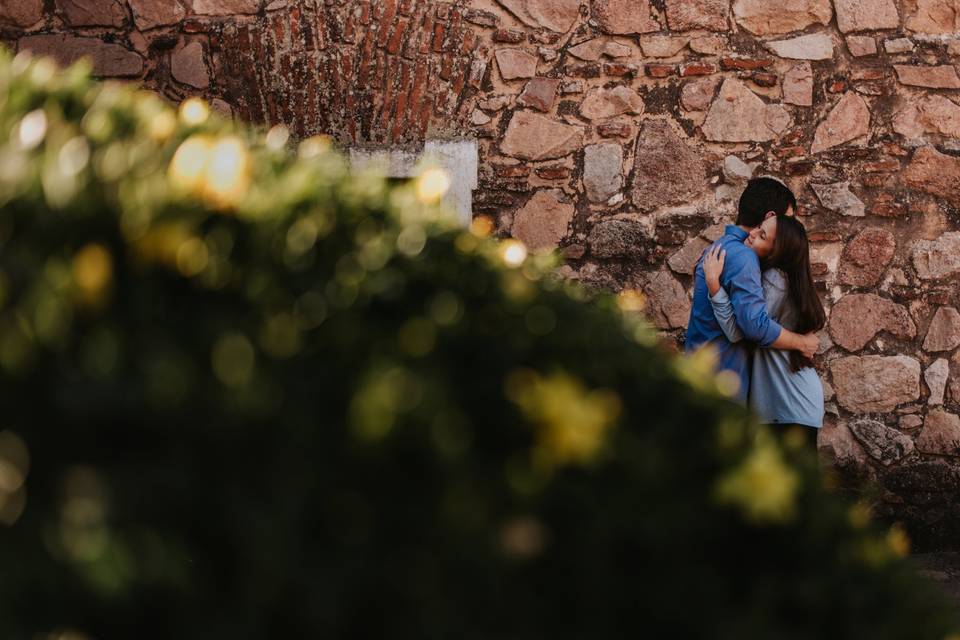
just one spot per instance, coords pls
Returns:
(761, 239)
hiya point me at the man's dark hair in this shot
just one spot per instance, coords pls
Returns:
(763, 195)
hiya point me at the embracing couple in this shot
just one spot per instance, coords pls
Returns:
(754, 300)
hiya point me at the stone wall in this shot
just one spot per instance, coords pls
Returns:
(621, 132)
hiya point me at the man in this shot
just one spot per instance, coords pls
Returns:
(760, 203)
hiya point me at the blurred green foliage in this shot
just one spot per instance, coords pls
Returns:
(246, 394)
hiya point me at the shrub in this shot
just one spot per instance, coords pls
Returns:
(246, 394)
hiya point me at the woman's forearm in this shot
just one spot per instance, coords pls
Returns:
(723, 312)
(713, 286)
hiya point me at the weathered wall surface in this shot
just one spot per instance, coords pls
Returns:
(621, 132)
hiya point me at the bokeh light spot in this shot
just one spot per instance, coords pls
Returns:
(233, 359)
(162, 125)
(522, 538)
(276, 138)
(482, 226)
(728, 383)
(74, 156)
(432, 185)
(192, 257)
(446, 308)
(93, 272)
(417, 337)
(412, 240)
(228, 171)
(32, 129)
(194, 112)
(314, 146)
(513, 252)
(189, 162)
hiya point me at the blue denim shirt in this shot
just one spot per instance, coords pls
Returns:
(741, 280)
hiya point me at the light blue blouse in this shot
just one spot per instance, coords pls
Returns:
(777, 394)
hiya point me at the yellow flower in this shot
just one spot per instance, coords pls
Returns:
(764, 487)
(572, 420)
(898, 541)
(859, 515)
(730, 433)
(875, 552)
(631, 300)
(698, 368)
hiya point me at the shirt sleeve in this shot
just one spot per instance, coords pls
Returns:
(723, 312)
(741, 279)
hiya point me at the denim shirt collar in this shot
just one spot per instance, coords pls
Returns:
(736, 232)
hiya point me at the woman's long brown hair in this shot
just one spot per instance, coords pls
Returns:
(791, 254)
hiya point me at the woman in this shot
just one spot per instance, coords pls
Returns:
(784, 387)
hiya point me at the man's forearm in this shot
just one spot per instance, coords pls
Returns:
(788, 340)
(805, 344)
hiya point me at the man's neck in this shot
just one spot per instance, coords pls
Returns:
(744, 228)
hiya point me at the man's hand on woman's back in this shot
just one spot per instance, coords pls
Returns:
(713, 267)
(810, 345)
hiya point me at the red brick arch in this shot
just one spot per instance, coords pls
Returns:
(380, 72)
